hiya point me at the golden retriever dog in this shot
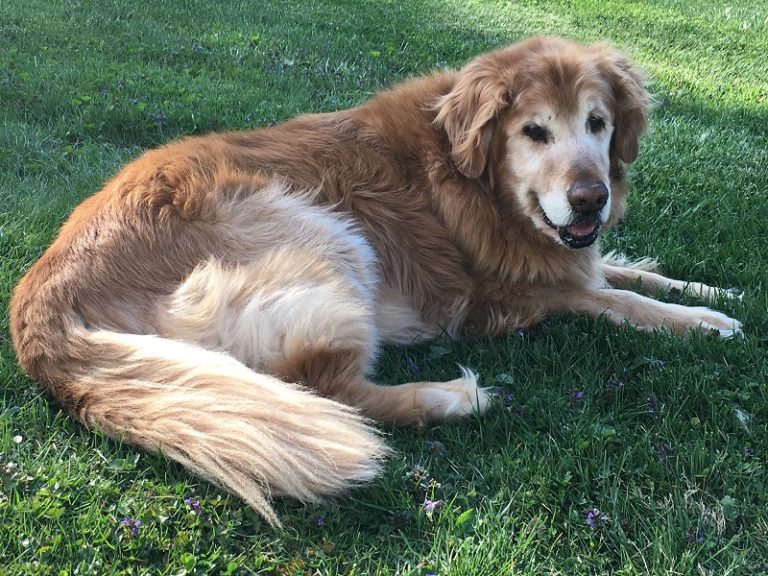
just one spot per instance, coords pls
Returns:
(223, 298)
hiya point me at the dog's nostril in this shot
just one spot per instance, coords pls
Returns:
(587, 196)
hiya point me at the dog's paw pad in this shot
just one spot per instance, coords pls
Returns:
(734, 331)
(729, 334)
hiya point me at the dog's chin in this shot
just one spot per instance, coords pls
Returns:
(579, 234)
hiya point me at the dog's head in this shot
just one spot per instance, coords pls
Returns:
(553, 124)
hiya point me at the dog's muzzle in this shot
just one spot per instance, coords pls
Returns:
(581, 233)
(587, 198)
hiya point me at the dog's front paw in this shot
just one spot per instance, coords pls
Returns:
(718, 323)
(732, 294)
(712, 294)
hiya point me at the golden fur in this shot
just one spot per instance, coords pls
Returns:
(222, 299)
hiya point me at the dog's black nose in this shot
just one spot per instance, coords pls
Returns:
(587, 196)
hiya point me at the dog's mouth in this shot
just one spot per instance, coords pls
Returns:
(582, 232)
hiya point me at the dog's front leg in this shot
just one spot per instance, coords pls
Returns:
(619, 306)
(643, 275)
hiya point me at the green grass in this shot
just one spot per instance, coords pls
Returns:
(666, 437)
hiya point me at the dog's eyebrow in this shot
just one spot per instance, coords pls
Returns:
(534, 109)
(597, 106)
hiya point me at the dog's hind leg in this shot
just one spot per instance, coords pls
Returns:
(338, 373)
(296, 316)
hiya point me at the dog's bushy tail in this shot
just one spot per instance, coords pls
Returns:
(251, 433)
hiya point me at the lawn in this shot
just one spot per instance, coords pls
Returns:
(610, 451)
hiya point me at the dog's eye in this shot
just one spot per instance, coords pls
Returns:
(536, 133)
(595, 124)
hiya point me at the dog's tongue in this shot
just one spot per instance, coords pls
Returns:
(581, 229)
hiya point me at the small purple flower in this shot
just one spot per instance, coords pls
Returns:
(520, 333)
(575, 396)
(651, 406)
(194, 505)
(595, 518)
(131, 524)
(412, 366)
(507, 399)
(316, 520)
(432, 506)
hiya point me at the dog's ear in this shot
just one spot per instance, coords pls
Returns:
(468, 111)
(632, 106)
